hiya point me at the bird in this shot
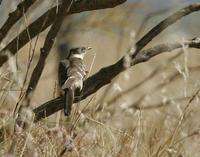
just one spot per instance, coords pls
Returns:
(71, 75)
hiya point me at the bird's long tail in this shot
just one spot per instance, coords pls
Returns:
(69, 98)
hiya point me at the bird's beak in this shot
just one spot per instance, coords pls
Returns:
(88, 48)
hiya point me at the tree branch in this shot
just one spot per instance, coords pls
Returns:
(158, 68)
(148, 54)
(106, 74)
(163, 25)
(14, 17)
(48, 44)
(38, 26)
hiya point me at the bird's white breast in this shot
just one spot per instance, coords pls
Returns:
(80, 56)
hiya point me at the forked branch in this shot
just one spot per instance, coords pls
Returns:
(106, 74)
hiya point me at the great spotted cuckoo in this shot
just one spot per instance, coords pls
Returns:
(71, 75)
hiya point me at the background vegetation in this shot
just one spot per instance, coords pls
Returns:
(128, 109)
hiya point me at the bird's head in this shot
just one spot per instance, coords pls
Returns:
(78, 52)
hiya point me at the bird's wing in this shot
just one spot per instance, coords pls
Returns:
(68, 83)
(62, 71)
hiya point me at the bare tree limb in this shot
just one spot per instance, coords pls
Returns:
(38, 26)
(106, 74)
(14, 17)
(119, 44)
(163, 25)
(49, 16)
(148, 54)
(147, 18)
(145, 80)
(48, 44)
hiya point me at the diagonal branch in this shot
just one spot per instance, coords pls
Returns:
(48, 44)
(147, 18)
(49, 17)
(14, 17)
(106, 74)
(163, 25)
(159, 68)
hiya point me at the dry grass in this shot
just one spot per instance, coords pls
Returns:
(157, 117)
(119, 129)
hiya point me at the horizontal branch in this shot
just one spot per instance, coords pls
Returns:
(148, 54)
(46, 20)
(106, 74)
